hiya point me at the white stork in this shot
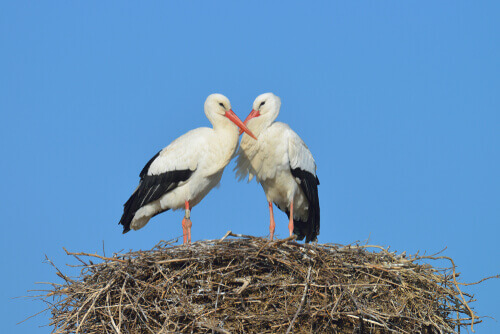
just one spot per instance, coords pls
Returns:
(181, 174)
(283, 165)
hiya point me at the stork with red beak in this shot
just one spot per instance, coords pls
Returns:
(281, 162)
(182, 174)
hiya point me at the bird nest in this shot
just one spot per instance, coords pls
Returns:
(252, 285)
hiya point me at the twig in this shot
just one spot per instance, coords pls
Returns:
(95, 255)
(472, 315)
(302, 301)
(174, 260)
(117, 329)
(246, 283)
(228, 233)
(217, 300)
(370, 321)
(480, 281)
(214, 328)
(282, 241)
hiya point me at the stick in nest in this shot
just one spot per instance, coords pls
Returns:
(302, 301)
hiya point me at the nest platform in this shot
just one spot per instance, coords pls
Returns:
(245, 284)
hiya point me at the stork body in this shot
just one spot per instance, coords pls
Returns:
(184, 172)
(283, 165)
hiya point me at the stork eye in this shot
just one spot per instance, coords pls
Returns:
(263, 102)
(222, 105)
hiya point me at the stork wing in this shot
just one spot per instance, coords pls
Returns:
(299, 155)
(183, 153)
(303, 168)
(170, 167)
(150, 189)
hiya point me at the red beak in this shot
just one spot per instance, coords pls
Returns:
(253, 113)
(233, 118)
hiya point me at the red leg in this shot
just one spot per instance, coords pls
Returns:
(290, 225)
(186, 224)
(272, 224)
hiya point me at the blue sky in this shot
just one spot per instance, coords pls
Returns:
(398, 102)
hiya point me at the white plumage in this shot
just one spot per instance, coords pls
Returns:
(281, 162)
(183, 173)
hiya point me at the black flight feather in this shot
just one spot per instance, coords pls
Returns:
(151, 188)
(309, 184)
(144, 171)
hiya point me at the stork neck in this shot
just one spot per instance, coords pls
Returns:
(259, 124)
(226, 138)
(226, 128)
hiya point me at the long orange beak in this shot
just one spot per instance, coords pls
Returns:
(253, 113)
(233, 118)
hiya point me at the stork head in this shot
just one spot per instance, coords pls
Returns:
(266, 108)
(219, 113)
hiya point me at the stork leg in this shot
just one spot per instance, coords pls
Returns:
(272, 224)
(290, 224)
(186, 224)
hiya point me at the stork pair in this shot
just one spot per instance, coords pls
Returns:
(182, 174)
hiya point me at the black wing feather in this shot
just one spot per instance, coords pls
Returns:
(151, 188)
(144, 171)
(309, 185)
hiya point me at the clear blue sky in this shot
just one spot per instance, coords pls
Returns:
(397, 100)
